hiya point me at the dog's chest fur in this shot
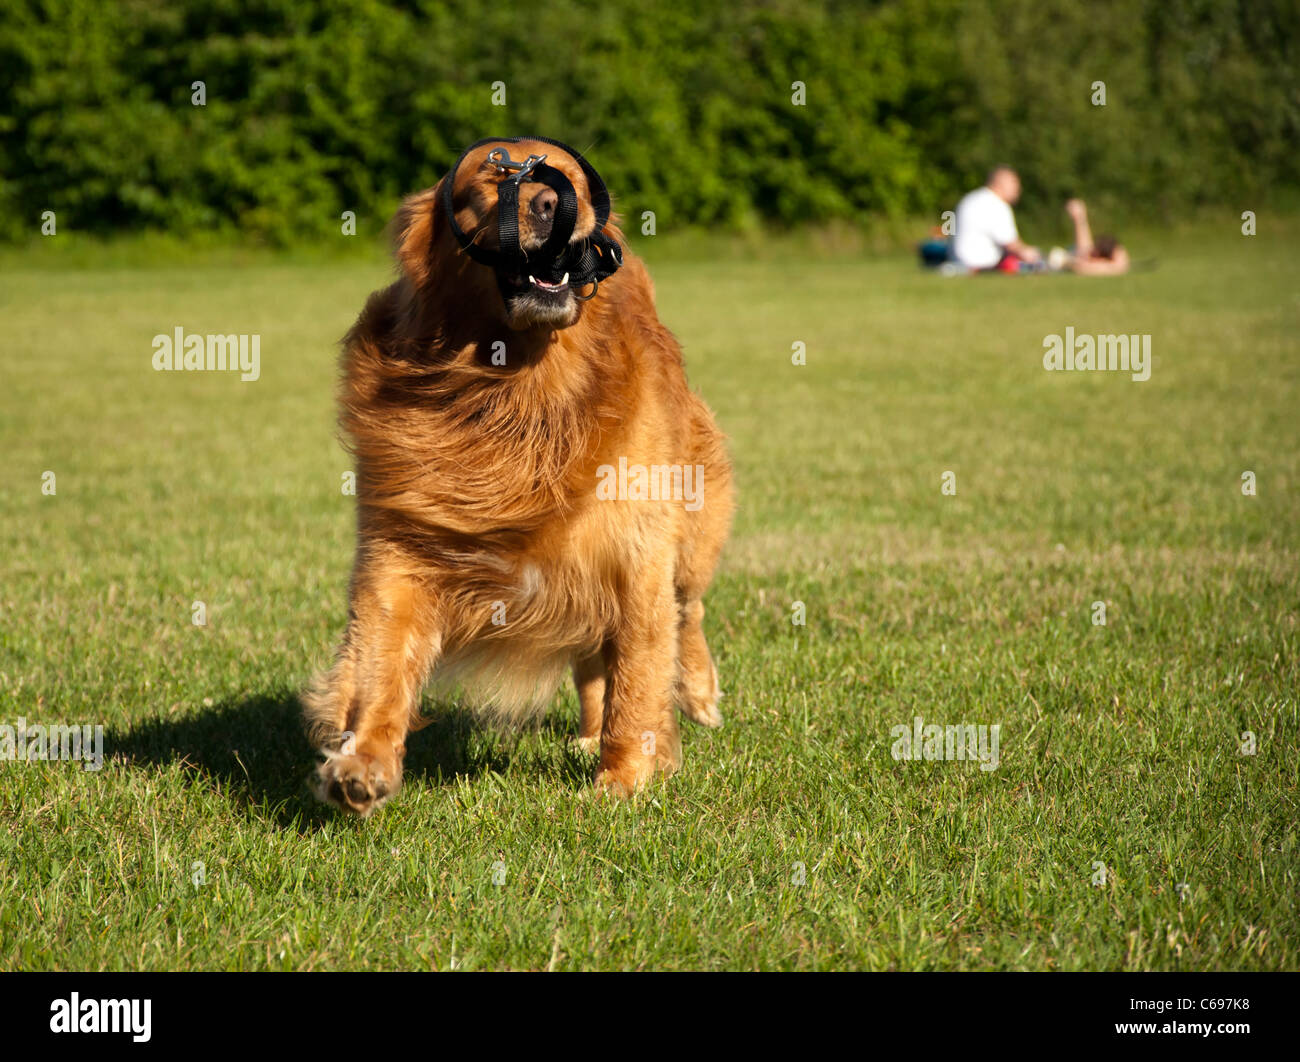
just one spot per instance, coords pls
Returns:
(528, 565)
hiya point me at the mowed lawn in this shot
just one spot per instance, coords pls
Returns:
(1126, 825)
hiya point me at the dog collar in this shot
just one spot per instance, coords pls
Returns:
(587, 262)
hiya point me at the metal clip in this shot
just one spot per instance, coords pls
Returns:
(500, 158)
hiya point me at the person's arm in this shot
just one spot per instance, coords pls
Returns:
(1082, 231)
(1020, 249)
(1007, 236)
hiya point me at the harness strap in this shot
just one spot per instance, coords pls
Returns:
(595, 258)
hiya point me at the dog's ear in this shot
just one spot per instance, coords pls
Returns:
(614, 230)
(415, 231)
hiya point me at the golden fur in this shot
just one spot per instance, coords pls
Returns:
(485, 558)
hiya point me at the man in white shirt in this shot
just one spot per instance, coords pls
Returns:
(986, 236)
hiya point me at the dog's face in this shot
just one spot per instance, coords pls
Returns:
(517, 298)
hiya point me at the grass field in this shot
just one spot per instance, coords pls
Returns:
(793, 838)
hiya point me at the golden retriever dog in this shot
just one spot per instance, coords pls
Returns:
(538, 489)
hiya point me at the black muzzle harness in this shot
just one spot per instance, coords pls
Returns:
(588, 261)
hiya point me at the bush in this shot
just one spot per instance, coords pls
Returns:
(686, 111)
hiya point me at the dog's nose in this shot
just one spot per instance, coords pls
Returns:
(543, 204)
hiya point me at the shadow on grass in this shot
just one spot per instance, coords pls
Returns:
(253, 752)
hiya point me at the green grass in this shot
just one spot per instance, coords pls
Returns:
(1119, 743)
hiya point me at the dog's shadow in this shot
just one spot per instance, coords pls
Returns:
(253, 752)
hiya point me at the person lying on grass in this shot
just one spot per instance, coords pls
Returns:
(1103, 256)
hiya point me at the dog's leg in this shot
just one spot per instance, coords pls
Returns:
(589, 677)
(697, 558)
(698, 692)
(326, 704)
(639, 733)
(368, 700)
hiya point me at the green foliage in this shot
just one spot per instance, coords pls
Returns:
(687, 111)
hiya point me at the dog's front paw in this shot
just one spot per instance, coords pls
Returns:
(624, 773)
(620, 782)
(358, 783)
